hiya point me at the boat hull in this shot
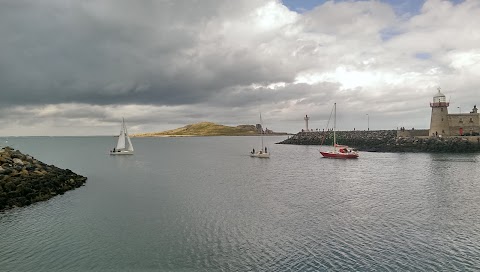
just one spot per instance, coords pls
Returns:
(126, 152)
(260, 155)
(337, 155)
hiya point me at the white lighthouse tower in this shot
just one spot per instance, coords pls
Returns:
(306, 118)
(439, 125)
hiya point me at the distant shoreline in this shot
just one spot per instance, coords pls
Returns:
(180, 135)
(212, 129)
(160, 136)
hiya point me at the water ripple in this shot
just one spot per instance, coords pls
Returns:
(190, 211)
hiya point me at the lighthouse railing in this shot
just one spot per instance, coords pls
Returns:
(439, 104)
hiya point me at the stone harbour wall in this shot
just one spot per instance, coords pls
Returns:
(25, 180)
(387, 141)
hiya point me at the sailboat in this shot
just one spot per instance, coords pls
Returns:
(263, 152)
(339, 151)
(124, 145)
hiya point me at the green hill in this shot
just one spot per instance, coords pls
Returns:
(204, 129)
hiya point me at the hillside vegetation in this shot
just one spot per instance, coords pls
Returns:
(204, 129)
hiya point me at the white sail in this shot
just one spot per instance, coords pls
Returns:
(124, 144)
(121, 141)
(129, 145)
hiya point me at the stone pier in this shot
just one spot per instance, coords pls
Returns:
(389, 141)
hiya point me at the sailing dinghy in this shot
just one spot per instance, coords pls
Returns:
(263, 152)
(124, 145)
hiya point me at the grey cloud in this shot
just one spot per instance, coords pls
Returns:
(121, 52)
(177, 62)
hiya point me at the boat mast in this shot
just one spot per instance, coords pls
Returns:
(124, 128)
(334, 125)
(261, 124)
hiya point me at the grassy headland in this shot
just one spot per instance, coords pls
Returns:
(204, 129)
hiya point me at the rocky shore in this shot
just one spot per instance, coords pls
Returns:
(25, 180)
(387, 141)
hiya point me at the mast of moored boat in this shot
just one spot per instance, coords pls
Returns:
(334, 126)
(261, 136)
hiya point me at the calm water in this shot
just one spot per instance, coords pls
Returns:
(202, 204)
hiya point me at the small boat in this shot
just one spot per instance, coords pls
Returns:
(124, 145)
(260, 154)
(263, 152)
(339, 151)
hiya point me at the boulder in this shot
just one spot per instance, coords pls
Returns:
(17, 161)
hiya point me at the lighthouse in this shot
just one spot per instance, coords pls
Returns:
(439, 125)
(306, 118)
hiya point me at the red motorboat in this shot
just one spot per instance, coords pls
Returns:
(339, 151)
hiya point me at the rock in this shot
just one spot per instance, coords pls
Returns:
(6, 171)
(17, 161)
(24, 180)
(36, 172)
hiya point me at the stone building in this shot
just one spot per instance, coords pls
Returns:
(445, 124)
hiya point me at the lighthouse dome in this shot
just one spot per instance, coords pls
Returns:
(439, 97)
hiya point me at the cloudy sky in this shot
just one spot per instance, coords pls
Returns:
(76, 67)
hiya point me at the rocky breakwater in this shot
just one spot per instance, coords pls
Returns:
(387, 141)
(25, 180)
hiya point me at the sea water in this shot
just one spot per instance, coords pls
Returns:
(202, 204)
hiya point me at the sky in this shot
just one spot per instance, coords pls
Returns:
(77, 67)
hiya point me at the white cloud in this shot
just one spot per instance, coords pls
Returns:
(77, 67)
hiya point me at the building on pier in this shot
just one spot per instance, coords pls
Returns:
(444, 124)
